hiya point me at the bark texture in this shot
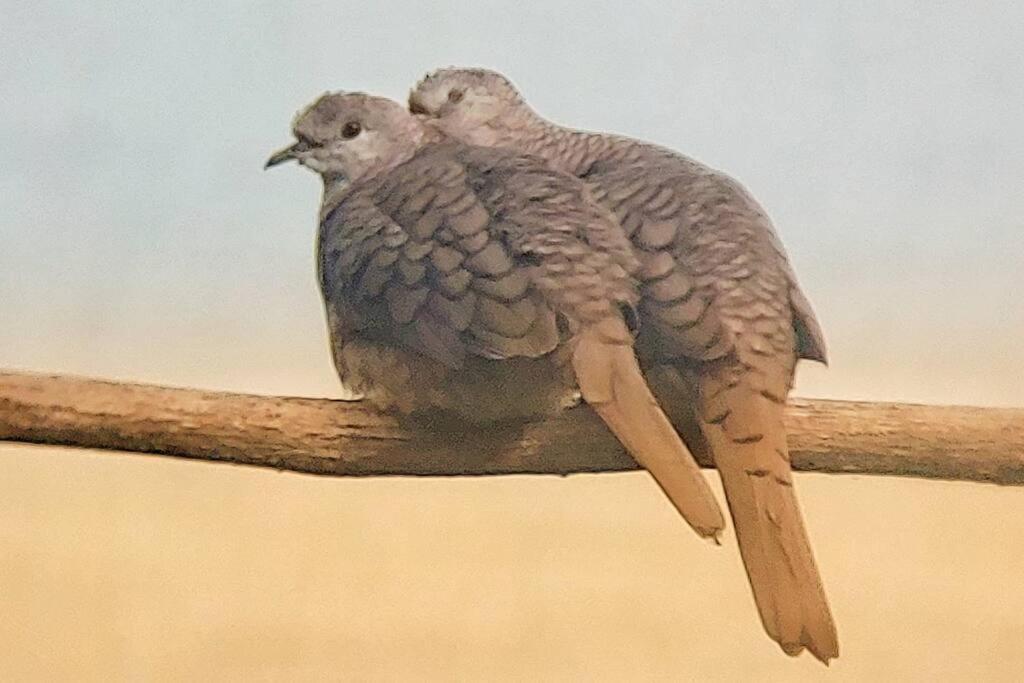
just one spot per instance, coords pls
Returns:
(345, 438)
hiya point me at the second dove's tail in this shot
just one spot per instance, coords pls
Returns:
(748, 443)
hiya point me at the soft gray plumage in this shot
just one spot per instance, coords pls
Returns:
(723, 322)
(478, 282)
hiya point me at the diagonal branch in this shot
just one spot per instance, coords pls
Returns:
(346, 438)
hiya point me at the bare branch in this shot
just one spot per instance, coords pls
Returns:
(345, 438)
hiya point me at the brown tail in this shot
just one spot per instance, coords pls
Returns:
(748, 442)
(611, 382)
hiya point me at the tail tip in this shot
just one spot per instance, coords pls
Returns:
(792, 649)
(823, 658)
(709, 532)
(824, 655)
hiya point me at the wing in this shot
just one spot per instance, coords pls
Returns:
(810, 340)
(584, 264)
(679, 318)
(711, 264)
(414, 259)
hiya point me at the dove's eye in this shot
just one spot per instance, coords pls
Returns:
(455, 96)
(351, 129)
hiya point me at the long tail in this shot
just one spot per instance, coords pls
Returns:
(611, 382)
(748, 441)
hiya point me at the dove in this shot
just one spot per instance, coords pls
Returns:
(479, 283)
(722, 322)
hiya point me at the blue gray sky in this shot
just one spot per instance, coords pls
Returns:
(142, 239)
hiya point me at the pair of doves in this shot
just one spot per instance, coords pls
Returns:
(479, 260)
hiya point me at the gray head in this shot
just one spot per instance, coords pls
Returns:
(477, 106)
(345, 136)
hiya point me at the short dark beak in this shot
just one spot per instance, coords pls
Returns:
(286, 154)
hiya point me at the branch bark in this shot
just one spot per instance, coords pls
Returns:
(347, 438)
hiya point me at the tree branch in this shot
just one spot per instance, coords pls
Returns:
(347, 438)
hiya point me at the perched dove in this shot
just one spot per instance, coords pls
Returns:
(479, 282)
(723, 322)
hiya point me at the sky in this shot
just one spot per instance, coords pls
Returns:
(884, 140)
(140, 239)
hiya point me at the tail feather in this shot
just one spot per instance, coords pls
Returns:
(748, 442)
(611, 382)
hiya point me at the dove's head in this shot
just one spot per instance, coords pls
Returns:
(346, 136)
(476, 106)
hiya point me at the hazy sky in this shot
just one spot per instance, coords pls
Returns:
(141, 239)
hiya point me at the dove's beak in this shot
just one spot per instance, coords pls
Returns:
(286, 154)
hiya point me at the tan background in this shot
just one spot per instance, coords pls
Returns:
(140, 240)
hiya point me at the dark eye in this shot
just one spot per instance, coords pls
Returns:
(455, 96)
(351, 129)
